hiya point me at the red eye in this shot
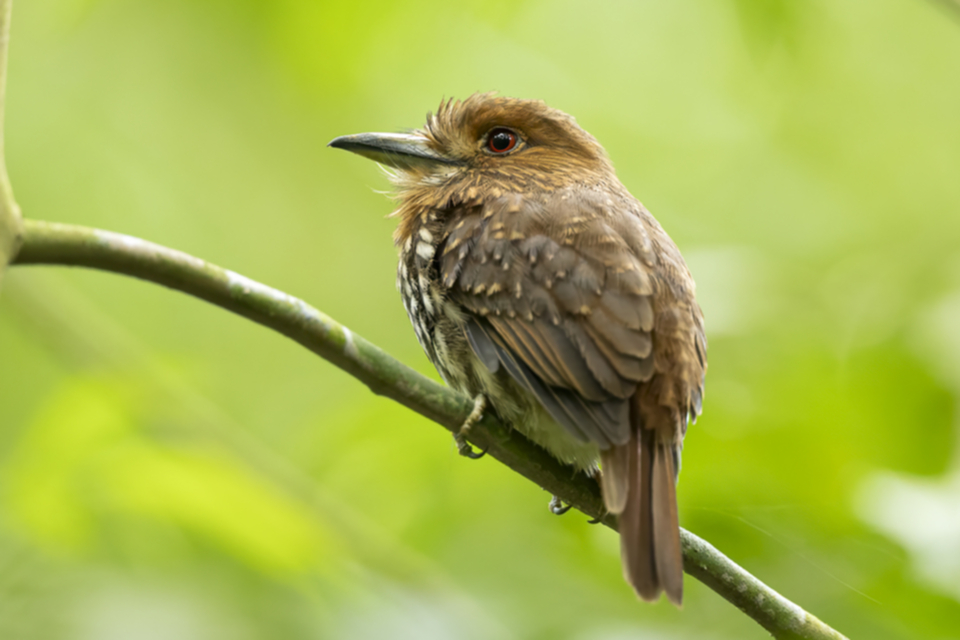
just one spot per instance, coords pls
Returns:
(501, 140)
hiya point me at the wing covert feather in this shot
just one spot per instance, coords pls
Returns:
(570, 322)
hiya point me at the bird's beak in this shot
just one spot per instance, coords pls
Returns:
(399, 150)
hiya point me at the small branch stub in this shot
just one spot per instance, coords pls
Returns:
(11, 224)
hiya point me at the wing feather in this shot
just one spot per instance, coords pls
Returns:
(570, 322)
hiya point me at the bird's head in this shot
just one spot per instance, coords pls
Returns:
(482, 147)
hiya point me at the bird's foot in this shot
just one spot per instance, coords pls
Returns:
(557, 507)
(594, 520)
(479, 404)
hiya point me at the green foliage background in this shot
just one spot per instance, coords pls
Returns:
(170, 471)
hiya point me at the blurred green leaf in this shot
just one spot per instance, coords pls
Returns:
(45, 477)
(85, 459)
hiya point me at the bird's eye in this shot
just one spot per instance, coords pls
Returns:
(501, 140)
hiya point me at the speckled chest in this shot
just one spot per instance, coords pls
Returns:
(425, 299)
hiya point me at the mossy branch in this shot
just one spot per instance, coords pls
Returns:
(69, 245)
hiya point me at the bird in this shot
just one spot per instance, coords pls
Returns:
(538, 285)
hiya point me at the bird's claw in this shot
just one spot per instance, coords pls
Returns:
(594, 520)
(463, 447)
(557, 507)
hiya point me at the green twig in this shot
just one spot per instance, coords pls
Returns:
(10, 222)
(50, 243)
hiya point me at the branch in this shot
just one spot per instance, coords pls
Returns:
(10, 221)
(51, 243)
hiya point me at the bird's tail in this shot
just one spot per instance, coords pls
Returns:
(641, 484)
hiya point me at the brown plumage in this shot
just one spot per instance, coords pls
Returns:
(533, 277)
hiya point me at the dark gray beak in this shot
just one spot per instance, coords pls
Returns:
(399, 150)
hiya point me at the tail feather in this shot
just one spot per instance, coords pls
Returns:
(614, 477)
(649, 530)
(668, 556)
(636, 532)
